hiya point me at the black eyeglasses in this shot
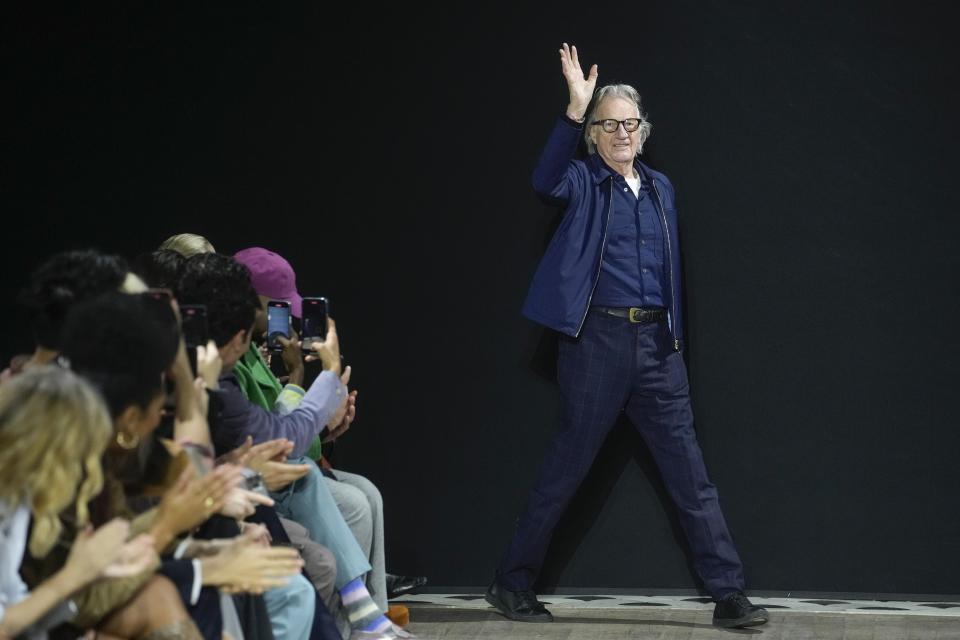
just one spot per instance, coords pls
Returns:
(610, 125)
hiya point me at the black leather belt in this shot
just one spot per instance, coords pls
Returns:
(637, 315)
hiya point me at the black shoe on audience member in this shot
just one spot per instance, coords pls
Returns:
(735, 610)
(400, 585)
(522, 606)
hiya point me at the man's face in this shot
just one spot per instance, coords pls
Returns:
(260, 322)
(620, 146)
(232, 351)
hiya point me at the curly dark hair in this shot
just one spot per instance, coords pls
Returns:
(223, 285)
(63, 281)
(121, 343)
(160, 268)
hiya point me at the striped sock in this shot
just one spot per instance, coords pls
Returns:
(362, 611)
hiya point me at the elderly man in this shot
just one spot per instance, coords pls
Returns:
(610, 284)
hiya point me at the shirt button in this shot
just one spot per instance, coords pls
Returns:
(644, 270)
(643, 242)
(626, 189)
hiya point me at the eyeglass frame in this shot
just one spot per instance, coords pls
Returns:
(623, 122)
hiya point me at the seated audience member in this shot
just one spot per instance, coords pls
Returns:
(106, 332)
(61, 282)
(159, 269)
(128, 324)
(359, 499)
(54, 428)
(223, 286)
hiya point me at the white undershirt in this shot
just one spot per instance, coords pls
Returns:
(634, 183)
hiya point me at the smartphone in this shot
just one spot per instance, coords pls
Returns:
(193, 323)
(314, 321)
(278, 323)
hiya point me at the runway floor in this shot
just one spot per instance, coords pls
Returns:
(466, 616)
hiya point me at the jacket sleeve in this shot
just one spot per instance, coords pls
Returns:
(240, 418)
(289, 399)
(555, 177)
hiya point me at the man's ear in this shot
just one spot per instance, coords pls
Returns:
(237, 344)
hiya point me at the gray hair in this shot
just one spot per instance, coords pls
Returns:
(626, 92)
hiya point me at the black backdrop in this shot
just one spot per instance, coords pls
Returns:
(387, 151)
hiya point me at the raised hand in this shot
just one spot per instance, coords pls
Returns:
(93, 551)
(247, 566)
(192, 500)
(277, 475)
(209, 364)
(339, 429)
(134, 557)
(269, 460)
(581, 88)
(341, 412)
(328, 351)
(276, 450)
(241, 503)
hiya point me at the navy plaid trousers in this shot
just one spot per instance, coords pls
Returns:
(618, 366)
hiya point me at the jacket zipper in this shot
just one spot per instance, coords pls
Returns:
(603, 247)
(673, 293)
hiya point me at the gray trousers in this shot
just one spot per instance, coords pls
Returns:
(317, 560)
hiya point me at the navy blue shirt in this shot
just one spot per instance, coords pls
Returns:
(633, 270)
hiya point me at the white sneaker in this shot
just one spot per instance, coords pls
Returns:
(401, 632)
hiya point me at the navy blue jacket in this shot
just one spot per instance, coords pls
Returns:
(564, 282)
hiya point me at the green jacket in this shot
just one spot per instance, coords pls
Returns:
(263, 389)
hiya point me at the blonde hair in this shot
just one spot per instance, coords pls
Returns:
(187, 244)
(54, 428)
(133, 283)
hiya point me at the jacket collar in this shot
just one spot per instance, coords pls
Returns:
(600, 171)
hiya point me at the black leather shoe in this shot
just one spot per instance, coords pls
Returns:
(522, 606)
(735, 610)
(399, 585)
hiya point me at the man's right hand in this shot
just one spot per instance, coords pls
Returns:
(191, 501)
(269, 460)
(247, 566)
(277, 475)
(581, 88)
(344, 407)
(328, 351)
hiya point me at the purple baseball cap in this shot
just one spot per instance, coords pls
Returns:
(271, 276)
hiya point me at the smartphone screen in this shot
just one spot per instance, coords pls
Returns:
(278, 323)
(315, 312)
